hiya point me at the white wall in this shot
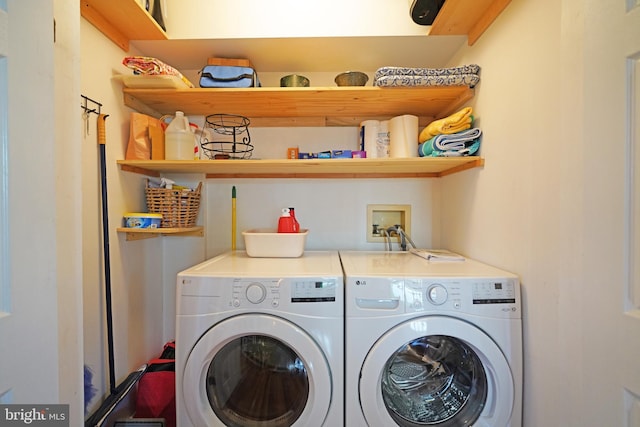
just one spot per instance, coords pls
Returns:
(333, 210)
(69, 207)
(288, 18)
(522, 210)
(136, 267)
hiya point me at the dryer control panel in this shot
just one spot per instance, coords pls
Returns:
(499, 297)
(494, 292)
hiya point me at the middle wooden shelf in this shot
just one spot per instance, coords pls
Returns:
(417, 167)
(310, 106)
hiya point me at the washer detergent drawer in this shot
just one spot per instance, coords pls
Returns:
(378, 303)
(256, 369)
(436, 370)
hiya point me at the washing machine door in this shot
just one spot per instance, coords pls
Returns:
(436, 371)
(256, 370)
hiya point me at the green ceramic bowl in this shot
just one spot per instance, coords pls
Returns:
(352, 78)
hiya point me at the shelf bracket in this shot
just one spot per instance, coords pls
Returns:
(148, 233)
(139, 236)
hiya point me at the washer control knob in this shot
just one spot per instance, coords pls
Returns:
(256, 293)
(437, 294)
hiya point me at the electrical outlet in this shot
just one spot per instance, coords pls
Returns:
(381, 217)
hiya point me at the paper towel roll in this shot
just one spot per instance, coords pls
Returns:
(368, 137)
(403, 135)
(382, 142)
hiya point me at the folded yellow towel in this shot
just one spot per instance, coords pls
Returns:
(457, 122)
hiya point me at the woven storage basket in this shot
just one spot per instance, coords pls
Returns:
(179, 208)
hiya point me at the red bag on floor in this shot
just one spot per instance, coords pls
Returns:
(157, 388)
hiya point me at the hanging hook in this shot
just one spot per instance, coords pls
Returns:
(88, 109)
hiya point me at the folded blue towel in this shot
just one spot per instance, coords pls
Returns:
(464, 143)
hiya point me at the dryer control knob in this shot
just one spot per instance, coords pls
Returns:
(256, 293)
(437, 294)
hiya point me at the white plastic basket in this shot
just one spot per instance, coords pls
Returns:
(268, 243)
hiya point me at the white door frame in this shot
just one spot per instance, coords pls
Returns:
(40, 290)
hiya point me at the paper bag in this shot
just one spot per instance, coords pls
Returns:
(139, 146)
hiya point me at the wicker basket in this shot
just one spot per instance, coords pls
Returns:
(179, 208)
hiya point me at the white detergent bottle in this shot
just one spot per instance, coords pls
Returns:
(178, 139)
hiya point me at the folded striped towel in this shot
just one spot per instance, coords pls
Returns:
(459, 121)
(411, 80)
(407, 71)
(464, 75)
(465, 143)
(149, 66)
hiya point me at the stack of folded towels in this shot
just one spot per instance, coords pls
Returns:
(465, 75)
(450, 136)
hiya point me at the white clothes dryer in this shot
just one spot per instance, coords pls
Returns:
(260, 342)
(431, 343)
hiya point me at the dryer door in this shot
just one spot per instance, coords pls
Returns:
(256, 370)
(436, 371)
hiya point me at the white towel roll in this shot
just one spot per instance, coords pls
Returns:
(368, 137)
(403, 135)
(382, 143)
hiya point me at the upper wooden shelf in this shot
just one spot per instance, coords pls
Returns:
(126, 20)
(424, 167)
(312, 106)
(467, 17)
(121, 21)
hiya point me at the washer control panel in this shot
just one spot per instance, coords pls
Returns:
(255, 292)
(272, 292)
(313, 291)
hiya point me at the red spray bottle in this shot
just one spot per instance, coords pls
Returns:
(286, 222)
(296, 224)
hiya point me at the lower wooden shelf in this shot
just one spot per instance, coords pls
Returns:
(147, 233)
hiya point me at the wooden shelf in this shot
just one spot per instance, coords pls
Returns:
(125, 20)
(121, 21)
(432, 167)
(312, 106)
(147, 233)
(470, 17)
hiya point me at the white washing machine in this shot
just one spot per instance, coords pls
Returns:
(431, 343)
(260, 342)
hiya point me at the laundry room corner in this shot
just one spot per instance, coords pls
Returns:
(137, 281)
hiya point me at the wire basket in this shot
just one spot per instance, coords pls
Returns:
(229, 135)
(179, 208)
